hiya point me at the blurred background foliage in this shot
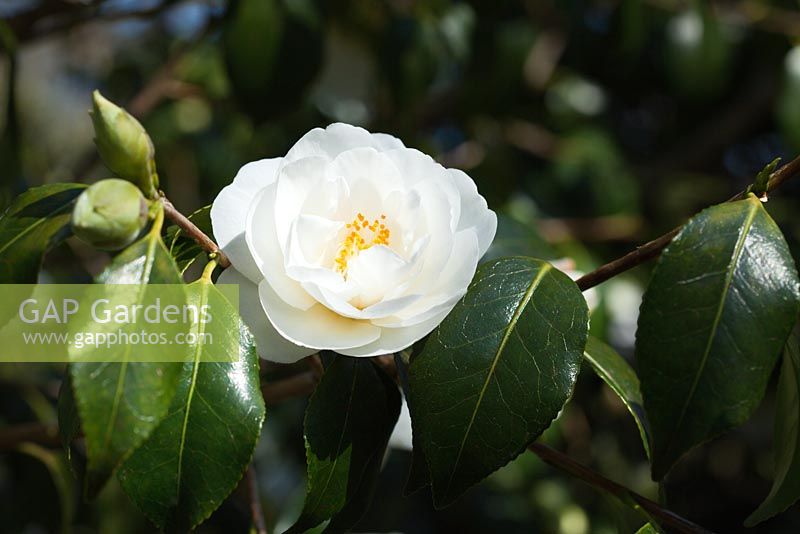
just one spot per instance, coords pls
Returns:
(591, 126)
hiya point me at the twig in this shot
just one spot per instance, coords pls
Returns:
(653, 248)
(781, 175)
(630, 260)
(254, 498)
(562, 462)
(191, 230)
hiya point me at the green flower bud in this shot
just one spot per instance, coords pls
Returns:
(110, 214)
(124, 144)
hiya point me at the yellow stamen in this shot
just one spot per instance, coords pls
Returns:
(363, 234)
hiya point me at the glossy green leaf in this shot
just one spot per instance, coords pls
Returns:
(622, 380)
(648, 528)
(714, 318)
(120, 403)
(496, 372)
(184, 249)
(196, 456)
(33, 223)
(348, 423)
(786, 486)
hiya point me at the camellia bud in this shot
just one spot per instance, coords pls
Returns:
(124, 144)
(110, 214)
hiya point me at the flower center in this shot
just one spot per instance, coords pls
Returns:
(362, 234)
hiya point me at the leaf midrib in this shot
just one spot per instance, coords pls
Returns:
(545, 268)
(190, 396)
(737, 252)
(148, 267)
(31, 227)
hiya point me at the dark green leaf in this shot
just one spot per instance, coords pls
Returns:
(260, 42)
(59, 471)
(10, 136)
(36, 221)
(348, 423)
(720, 305)
(69, 423)
(196, 456)
(184, 249)
(120, 403)
(496, 372)
(622, 379)
(418, 476)
(786, 487)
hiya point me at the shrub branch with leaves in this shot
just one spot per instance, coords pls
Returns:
(482, 386)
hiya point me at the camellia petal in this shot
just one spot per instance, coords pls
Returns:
(474, 211)
(448, 288)
(310, 240)
(396, 339)
(373, 171)
(229, 212)
(297, 181)
(271, 345)
(336, 138)
(317, 327)
(356, 243)
(262, 242)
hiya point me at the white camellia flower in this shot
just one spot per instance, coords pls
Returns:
(351, 242)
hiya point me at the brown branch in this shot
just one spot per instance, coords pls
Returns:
(782, 174)
(24, 24)
(653, 248)
(388, 365)
(315, 364)
(55, 17)
(295, 386)
(12, 436)
(592, 229)
(532, 138)
(672, 521)
(630, 260)
(254, 498)
(191, 230)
